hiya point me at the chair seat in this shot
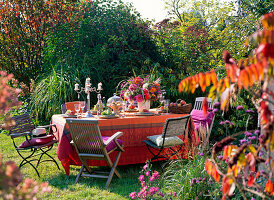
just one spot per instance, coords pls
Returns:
(37, 142)
(111, 145)
(169, 141)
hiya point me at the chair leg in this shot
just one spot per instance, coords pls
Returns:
(113, 168)
(79, 174)
(52, 159)
(26, 161)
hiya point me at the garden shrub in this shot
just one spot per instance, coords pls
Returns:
(109, 45)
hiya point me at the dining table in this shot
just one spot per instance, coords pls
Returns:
(135, 129)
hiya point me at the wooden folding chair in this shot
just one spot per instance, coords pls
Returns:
(169, 140)
(91, 145)
(31, 147)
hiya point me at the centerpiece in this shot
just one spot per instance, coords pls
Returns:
(143, 90)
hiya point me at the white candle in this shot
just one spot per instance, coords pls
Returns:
(76, 87)
(88, 81)
(100, 86)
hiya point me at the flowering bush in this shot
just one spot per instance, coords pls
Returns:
(141, 89)
(12, 185)
(148, 180)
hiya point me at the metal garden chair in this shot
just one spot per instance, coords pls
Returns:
(169, 140)
(91, 145)
(31, 147)
(198, 106)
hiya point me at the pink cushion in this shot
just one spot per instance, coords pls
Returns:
(111, 145)
(37, 141)
(199, 118)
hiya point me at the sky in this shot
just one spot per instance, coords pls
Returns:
(150, 9)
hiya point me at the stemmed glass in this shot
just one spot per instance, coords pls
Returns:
(124, 107)
(77, 108)
(82, 107)
(166, 104)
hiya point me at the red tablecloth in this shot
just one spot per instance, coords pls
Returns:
(135, 129)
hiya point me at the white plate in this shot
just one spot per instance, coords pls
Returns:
(108, 116)
(144, 113)
(69, 116)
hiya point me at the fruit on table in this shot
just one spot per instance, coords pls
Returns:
(179, 105)
(171, 104)
(182, 102)
(162, 108)
(131, 106)
(70, 112)
(145, 110)
(107, 112)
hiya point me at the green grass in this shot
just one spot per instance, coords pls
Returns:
(63, 186)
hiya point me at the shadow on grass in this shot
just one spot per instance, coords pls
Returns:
(127, 184)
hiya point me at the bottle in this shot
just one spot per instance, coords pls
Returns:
(99, 105)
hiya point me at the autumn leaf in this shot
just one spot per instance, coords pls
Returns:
(269, 187)
(215, 174)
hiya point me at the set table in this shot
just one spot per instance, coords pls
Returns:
(135, 129)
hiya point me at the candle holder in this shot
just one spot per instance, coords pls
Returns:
(88, 89)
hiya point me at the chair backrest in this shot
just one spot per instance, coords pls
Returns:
(198, 105)
(23, 124)
(86, 136)
(175, 126)
(70, 106)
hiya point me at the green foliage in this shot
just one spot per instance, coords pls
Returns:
(50, 93)
(110, 43)
(190, 180)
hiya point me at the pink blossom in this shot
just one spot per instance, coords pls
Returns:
(153, 190)
(145, 166)
(147, 173)
(154, 176)
(133, 195)
(139, 98)
(161, 194)
(141, 178)
(143, 183)
(132, 87)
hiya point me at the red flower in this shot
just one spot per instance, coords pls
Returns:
(138, 80)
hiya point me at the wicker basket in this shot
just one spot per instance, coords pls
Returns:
(183, 109)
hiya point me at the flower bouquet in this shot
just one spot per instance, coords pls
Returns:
(143, 90)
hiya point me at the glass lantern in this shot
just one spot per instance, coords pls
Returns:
(115, 103)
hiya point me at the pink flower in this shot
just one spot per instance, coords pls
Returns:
(143, 183)
(161, 194)
(141, 178)
(147, 173)
(139, 98)
(145, 166)
(153, 190)
(133, 195)
(132, 87)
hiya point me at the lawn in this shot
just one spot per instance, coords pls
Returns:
(63, 186)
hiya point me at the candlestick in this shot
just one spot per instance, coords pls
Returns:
(76, 88)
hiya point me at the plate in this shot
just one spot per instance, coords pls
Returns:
(144, 113)
(69, 116)
(108, 116)
(132, 110)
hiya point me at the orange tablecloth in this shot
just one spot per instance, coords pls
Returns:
(135, 129)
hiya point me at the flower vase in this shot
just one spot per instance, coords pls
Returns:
(144, 106)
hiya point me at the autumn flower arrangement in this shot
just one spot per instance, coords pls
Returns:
(141, 89)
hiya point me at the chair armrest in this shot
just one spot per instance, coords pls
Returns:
(48, 126)
(15, 135)
(113, 137)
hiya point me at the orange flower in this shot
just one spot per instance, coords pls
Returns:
(152, 90)
(147, 97)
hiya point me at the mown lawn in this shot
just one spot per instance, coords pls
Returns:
(63, 186)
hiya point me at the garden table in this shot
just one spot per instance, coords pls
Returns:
(135, 129)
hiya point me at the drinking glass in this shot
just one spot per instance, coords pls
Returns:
(77, 108)
(82, 107)
(166, 104)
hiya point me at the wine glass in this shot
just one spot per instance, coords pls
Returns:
(83, 107)
(166, 104)
(77, 108)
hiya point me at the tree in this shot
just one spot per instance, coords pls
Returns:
(242, 161)
(24, 27)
